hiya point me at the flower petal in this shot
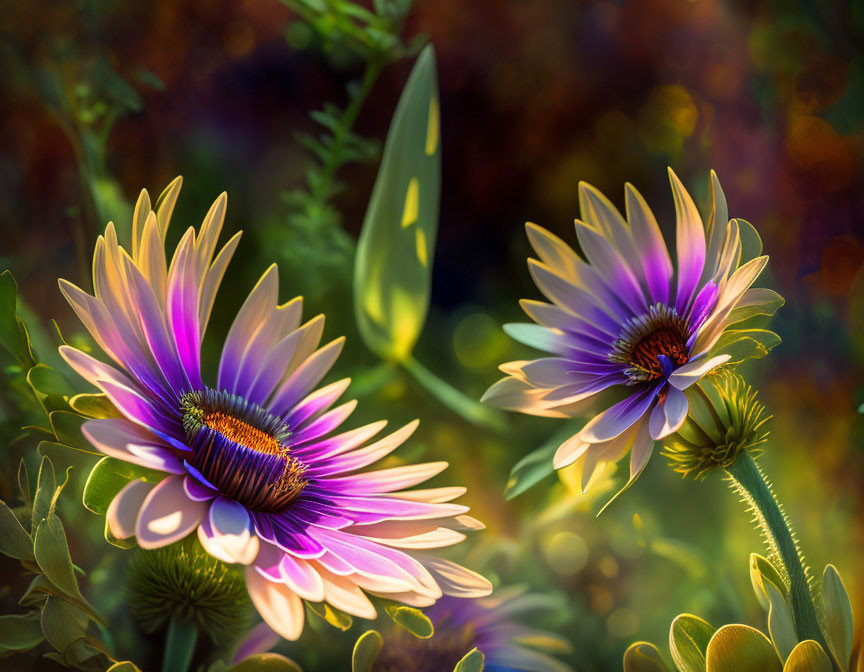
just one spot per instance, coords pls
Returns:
(620, 417)
(668, 416)
(684, 376)
(123, 510)
(167, 515)
(280, 608)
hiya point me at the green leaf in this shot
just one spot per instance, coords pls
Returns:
(46, 485)
(13, 333)
(20, 632)
(14, 539)
(537, 464)
(762, 569)
(643, 657)
(67, 429)
(94, 406)
(741, 344)
(751, 243)
(266, 662)
(393, 265)
(365, 651)
(62, 623)
(41, 588)
(772, 593)
(124, 666)
(839, 625)
(688, 641)
(108, 477)
(48, 381)
(808, 656)
(473, 661)
(335, 617)
(740, 648)
(770, 303)
(52, 555)
(411, 619)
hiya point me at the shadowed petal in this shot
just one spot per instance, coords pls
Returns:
(168, 515)
(278, 605)
(668, 416)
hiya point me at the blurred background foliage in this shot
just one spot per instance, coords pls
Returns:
(100, 99)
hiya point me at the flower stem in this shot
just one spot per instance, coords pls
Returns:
(469, 409)
(751, 483)
(179, 645)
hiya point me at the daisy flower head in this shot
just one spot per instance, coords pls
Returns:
(493, 625)
(627, 330)
(251, 459)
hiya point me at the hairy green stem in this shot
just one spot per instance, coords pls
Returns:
(750, 482)
(179, 645)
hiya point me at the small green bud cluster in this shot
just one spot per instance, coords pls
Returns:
(725, 419)
(184, 580)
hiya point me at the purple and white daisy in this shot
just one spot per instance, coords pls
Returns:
(490, 624)
(626, 327)
(251, 459)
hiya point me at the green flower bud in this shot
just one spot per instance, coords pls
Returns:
(184, 580)
(725, 419)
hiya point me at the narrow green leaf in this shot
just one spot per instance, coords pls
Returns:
(48, 381)
(13, 333)
(108, 477)
(473, 661)
(537, 465)
(771, 303)
(265, 662)
(20, 632)
(24, 483)
(365, 651)
(643, 657)
(393, 265)
(740, 648)
(67, 429)
(52, 555)
(335, 617)
(781, 625)
(688, 641)
(411, 619)
(94, 406)
(62, 623)
(839, 624)
(751, 243)
(124, 666)
(741, 344)
(14, 539)
(808, 656)
(45, 488)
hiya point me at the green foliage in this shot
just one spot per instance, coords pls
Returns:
(688, 642)
(411, 619)
(537, 465)
(58, 611)
(13, 332)
(473, 661)
(394, 253)
(335, 617)
(266, 662)
(108, 477)
(697, 647)
(365, 650)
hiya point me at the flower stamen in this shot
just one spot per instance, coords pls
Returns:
(645, 340)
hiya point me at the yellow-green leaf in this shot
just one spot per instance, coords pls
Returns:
(393, 265)
(839, 624)
(94, 406)
(643, 657)
(411, 619)
(365, 650)
(266, 662)
(688, 640)
(108, 477)
(473, 661)
(52, 555)
(740, 648)
(14, 539)
(808, 656)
